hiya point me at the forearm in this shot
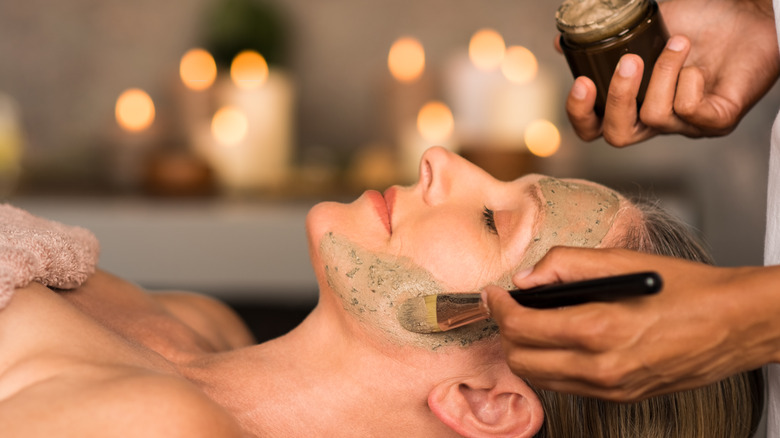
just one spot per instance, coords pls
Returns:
(754, 311)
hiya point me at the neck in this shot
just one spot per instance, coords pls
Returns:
(318, 380)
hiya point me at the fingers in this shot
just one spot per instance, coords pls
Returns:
(579, 107)
(502, 307)
(710, 113)
(563, 264)
(557, 43)
(558, 328)
(658, 109)
(521, 325)
(621, 126)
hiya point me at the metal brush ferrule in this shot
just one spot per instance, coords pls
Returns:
(460, 309)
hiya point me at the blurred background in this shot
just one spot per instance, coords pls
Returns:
(193, 136)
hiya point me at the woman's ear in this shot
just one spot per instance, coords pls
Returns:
(488, 405)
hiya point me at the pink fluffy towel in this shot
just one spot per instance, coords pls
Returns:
(48, 252)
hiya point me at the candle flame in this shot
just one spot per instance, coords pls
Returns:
(542, 138)
(519, 65)
(406, 60)
(249, 70)
(435, 122)
(197, 69)
(134, 110)
(486, 49)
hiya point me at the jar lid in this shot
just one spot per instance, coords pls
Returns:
(586, 21)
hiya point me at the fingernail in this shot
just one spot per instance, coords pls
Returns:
(484, 303)
(626, 67)
(579, 91)
(676, 44)
(524, 273)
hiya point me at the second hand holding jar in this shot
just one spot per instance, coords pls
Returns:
(596, 33)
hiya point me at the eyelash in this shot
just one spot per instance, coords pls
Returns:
(490, 220)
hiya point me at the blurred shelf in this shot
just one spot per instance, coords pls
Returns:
(236, 250)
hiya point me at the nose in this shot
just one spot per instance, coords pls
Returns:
(436, 174)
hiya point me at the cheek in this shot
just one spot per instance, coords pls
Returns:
(343, 219)
(456, 254)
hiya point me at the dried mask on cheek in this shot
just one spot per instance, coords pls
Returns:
(572, 214)
(371, 285)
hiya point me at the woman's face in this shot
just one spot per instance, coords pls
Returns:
(457, 229)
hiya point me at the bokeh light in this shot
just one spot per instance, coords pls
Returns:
(519, 64)
(486, 49)
(435, 122)
(406, 59)
(134, 110)
(249, 70)
(229, 126)
(197, 69)
(542, 138)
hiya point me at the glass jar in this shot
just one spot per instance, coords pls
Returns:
(596, 33)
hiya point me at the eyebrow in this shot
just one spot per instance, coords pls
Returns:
(533, 192)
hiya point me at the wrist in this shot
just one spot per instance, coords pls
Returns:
(756, 289)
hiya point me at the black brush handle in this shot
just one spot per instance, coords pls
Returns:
(599, 289)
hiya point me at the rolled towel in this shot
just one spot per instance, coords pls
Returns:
(37, 249)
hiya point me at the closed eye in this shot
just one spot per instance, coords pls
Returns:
(490, 220)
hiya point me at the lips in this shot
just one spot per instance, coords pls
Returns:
(382, 205)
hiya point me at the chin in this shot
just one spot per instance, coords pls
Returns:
(317, 226)
(319, 221)
(327, 217)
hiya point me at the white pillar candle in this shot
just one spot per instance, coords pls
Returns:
(259, 159)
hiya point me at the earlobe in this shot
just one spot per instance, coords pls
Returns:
(506, 407)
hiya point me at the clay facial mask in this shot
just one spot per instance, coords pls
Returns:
(370, 286)
(596, 33)
(572, 214)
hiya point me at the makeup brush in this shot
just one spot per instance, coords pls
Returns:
(441, 312)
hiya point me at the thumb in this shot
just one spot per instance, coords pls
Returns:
(500, 304)
(564, 264)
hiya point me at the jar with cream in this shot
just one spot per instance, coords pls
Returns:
(596, 33)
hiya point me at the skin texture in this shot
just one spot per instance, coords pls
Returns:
(721, 59)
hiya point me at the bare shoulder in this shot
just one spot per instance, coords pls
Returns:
(209, 317)
(128, 404)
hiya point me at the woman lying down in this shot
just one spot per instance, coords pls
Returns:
(104, 358)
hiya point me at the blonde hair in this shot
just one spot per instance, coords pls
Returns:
(730, 408)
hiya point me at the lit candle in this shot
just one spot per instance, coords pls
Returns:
(433, 126)
(134, 110)
(406, 89)
(406, 60)
(249, 140)
(197, 69)
(542, 138)
(197, 74)
(495, 93)
(135, 113)
(486, 49)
